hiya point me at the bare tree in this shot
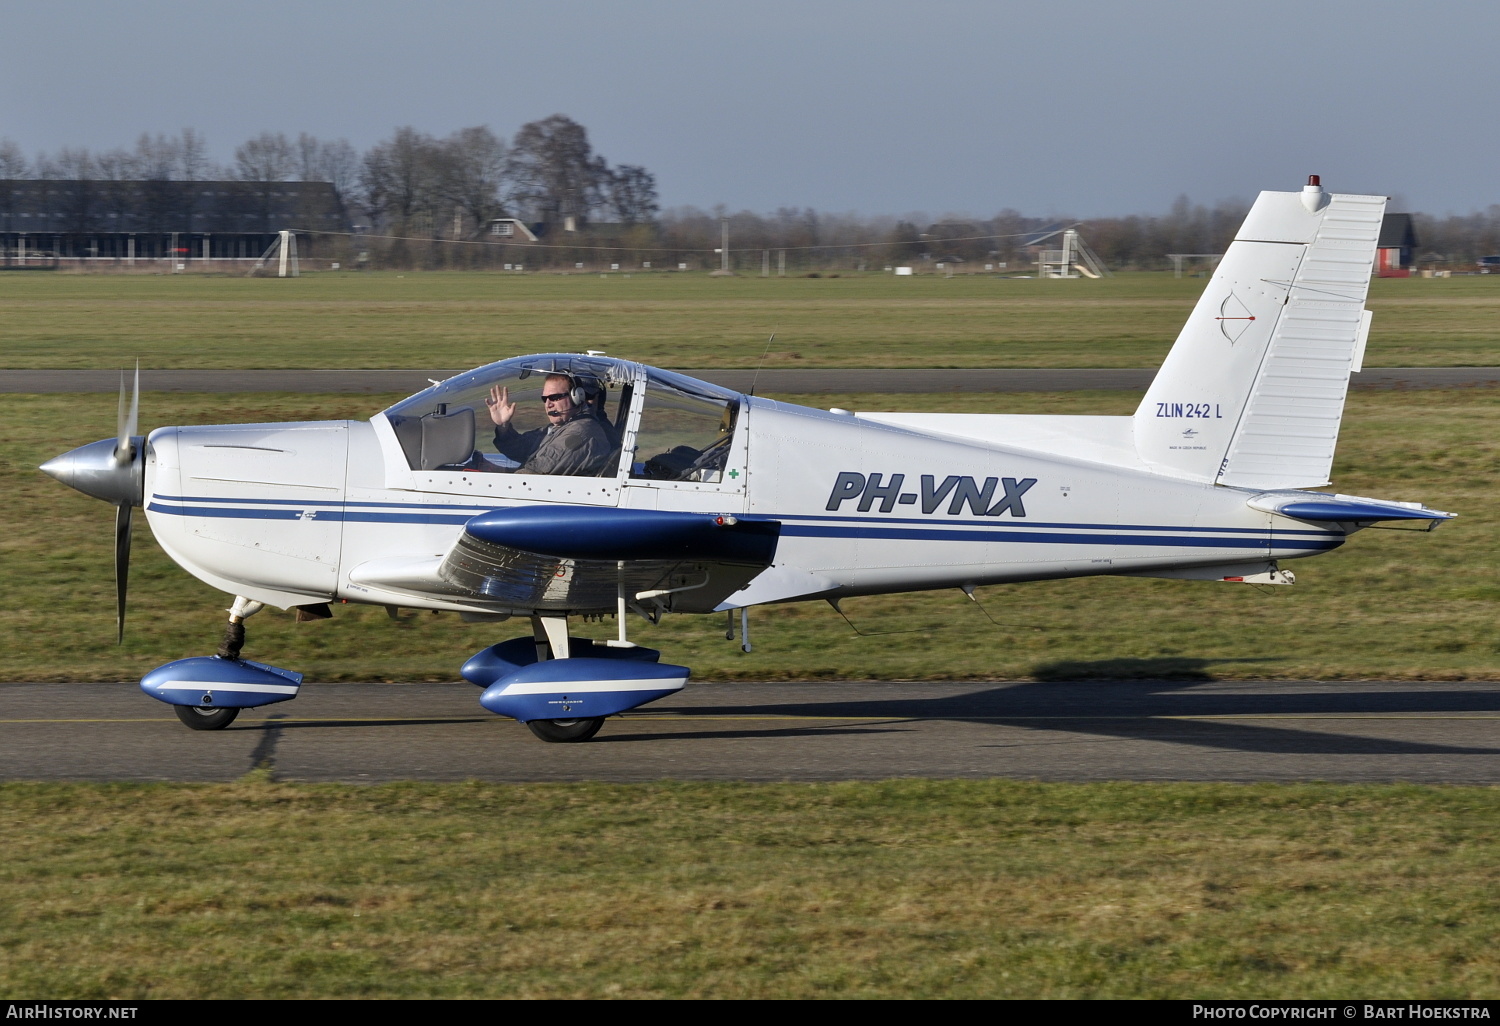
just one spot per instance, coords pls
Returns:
(260, 163)
(308, 155)
(264, 159)
(338, 163)
(1458, 240)
(115, 166)
(157, 162)
(13, 167)
(906, 242)
(553, 171)
(13, 162)
(193, 164)
(471, 165)
(335, 162)
(632, 194)
(399, 181)
(158, 159)
(115, 171)
(76, 194)
(49, 191)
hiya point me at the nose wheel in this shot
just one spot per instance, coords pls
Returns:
(565, 731)
(217, 717)
(206, 717)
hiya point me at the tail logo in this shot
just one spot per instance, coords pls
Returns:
(1234, 317)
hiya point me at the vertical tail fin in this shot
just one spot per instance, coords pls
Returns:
(1253, 390)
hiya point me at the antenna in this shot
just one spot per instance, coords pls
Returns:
(763, 355)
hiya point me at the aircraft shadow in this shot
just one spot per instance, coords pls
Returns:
(294, 724)
(1114, 699)
(741, 735)
(273, 727)
(1142, 710)
(1158, 668)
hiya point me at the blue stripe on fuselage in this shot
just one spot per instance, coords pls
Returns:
(924, 522)
(340, 503)
(798, 526)
(347, 516)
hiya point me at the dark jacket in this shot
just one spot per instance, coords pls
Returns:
(581, 446)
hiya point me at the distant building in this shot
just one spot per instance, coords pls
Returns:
(507, 229)
(79, 223)
(568, 230)
(1395, 247)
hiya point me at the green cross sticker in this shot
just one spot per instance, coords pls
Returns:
(734, 473)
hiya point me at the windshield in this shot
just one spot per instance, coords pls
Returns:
(495, 419)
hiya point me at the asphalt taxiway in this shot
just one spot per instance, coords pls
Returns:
(1058, 730)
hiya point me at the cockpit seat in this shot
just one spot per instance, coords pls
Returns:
(437, 439)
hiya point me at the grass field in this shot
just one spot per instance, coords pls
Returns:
(895, 889)
(965, 889)
(1389, 604)
(453, 320)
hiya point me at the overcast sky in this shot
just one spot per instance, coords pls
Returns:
(875, 106)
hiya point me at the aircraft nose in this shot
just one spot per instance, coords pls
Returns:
(60, 468)
(92, 470)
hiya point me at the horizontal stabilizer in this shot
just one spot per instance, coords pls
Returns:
(1322, 508)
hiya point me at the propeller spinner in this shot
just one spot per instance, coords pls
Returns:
(112, 469)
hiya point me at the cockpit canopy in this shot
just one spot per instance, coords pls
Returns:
(660, 425)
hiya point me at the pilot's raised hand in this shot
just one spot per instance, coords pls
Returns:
(501, 408)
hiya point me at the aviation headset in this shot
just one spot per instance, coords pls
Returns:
(580, 388)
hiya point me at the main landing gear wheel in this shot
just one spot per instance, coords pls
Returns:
(564, 731)
(206, 717)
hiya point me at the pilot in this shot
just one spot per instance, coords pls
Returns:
(574, 440)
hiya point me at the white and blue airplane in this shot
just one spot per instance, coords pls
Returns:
(663, 494)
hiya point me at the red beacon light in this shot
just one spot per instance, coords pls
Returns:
(1313, 196)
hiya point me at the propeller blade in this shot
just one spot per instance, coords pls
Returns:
(125, 424)
(122, 565)
(122, 439)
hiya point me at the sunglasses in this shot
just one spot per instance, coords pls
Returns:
(555, 397)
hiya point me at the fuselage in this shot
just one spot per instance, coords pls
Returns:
(299, 513)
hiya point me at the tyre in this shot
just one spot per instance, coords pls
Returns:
(206, 717)
(565, 731)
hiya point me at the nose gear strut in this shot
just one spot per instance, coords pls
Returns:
(234, 630)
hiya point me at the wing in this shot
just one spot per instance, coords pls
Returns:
(576, 559)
